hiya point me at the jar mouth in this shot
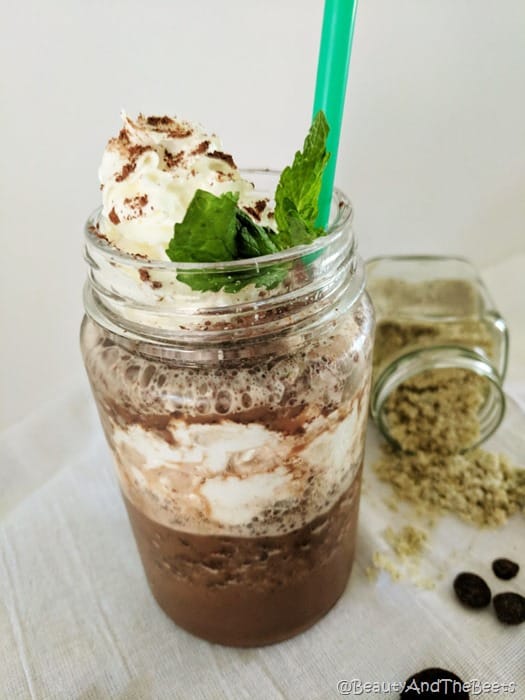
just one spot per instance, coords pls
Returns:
(341, 219)
(224, 301)
(417, 361)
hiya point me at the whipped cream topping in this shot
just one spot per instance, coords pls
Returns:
(229, 477)
(149, 174)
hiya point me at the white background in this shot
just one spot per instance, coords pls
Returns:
(432, 154)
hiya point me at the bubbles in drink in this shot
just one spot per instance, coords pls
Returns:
(223, 401)
(299, 412)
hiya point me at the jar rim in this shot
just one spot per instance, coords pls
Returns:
(338, 227)
(156, 299)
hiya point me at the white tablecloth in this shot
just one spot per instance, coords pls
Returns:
(77, 621)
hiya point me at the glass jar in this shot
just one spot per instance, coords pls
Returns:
(236, 420)
(440, 355)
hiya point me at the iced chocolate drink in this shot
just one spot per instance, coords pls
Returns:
(233, 393)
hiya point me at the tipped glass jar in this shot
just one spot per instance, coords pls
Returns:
(440, 354)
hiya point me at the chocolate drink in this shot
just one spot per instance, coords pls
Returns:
(273, 587)
(228, 346)
(241, 482)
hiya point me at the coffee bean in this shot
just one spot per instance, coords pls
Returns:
(505, 568)
(472, 590)
(510, 608)
(434, 683)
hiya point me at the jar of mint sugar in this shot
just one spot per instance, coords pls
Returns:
(440, 354)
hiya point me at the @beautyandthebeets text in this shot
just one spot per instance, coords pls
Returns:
(476, 687)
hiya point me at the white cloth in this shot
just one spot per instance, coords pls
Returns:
(77, 621)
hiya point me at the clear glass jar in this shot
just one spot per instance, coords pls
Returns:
(441, 341)
(237, 423)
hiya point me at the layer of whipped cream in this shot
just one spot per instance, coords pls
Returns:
(240, 479)
(149, 174)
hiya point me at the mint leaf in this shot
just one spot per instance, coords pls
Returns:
(204, 282)
(208, 231)
(299, 233)
(297, 194)
(214, 229)
(254, 240)
(233, 282)
(271, 276)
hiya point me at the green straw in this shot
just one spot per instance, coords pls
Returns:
(330, 88)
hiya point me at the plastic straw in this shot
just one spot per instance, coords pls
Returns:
(330, 88)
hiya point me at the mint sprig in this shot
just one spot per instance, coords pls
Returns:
(208, 231)
(297, 194)
(215, 229)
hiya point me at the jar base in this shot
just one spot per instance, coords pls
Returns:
(250, 591)
(249, 643)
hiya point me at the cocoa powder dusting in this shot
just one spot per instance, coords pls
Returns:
(123, 135)
(170, 126)
(136, 204)
(201, 148)
(113, 217)
(172, 160)
(146, 277)
(220, 155)
(127, 168)
(137, 150)
(95, 231)
(159, 121)
(180, 132)
(252, 212)
(134, 152)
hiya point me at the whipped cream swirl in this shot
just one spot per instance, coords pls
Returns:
(149, 174)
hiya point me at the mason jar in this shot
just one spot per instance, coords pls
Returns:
(236, 419)
(441, 341)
